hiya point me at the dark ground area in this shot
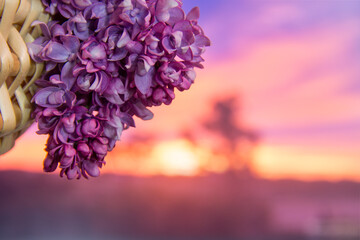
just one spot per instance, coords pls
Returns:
(215, 207)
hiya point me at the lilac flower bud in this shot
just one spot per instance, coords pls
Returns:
(93, 50)
(53, 97)
(99, 145)
(93, 55)
(90, 128)
(71, 173)
(91, 168)
(65, 129)
(97, 81)
(50, 164)
(163, 95)
(115, 36)
(68, 156)
(83, 149)
(69, 123)
(80, 4)
(170, 73)
(188, 77)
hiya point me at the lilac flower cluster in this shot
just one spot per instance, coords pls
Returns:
(106, 61)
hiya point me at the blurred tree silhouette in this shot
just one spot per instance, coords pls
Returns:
(239, 141)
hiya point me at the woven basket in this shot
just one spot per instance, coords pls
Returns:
(17, 71)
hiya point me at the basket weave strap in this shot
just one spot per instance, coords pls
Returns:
(17, 71)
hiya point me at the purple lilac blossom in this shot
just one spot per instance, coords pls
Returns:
(106, 62)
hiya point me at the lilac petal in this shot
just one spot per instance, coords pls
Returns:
(69, 123)
(110, 35)
(124, 39)
(97, 52)
(70, 98)
(167, 45)
(78, 69)
(131, 61)
(44, 28)
(99, 145)
(142, 3)
(91, 168)
(66, 161)
(112, 132)
(134, 47)
(176, 15)
(55, 79)
(90, 68)
(158, 95)
(50, 112)
(187, 56)
(201, 40)
(50, 66)
(118, 54)
(57, 30)
(163, 16)
(114, 98)
(84, 82)
(142, 112)
(98, 10)
(68, 157)
(170, 93)
(101, 82)
(83, 148)
(184, 26)
(190, 74)
(198, 47)
(79, 18)
(143, 83)
(71, 173)
(162, 8)
(127, 4)
(41, 97)
(118, 85)
(71, 43)
(127, 119)
(90, 128)
(144, 65)
(83, 35)
(101, 64)
(111, 93)
(67, 76)
(81, 4)
(102, 23)
(60, 134)
(57, 52)
(66, 10)
(194, 14)
(56, 97)
(34, 49)
(49, 164)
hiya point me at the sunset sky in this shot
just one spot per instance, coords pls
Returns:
(295, 65)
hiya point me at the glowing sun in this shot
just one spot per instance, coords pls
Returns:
(176, 158)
